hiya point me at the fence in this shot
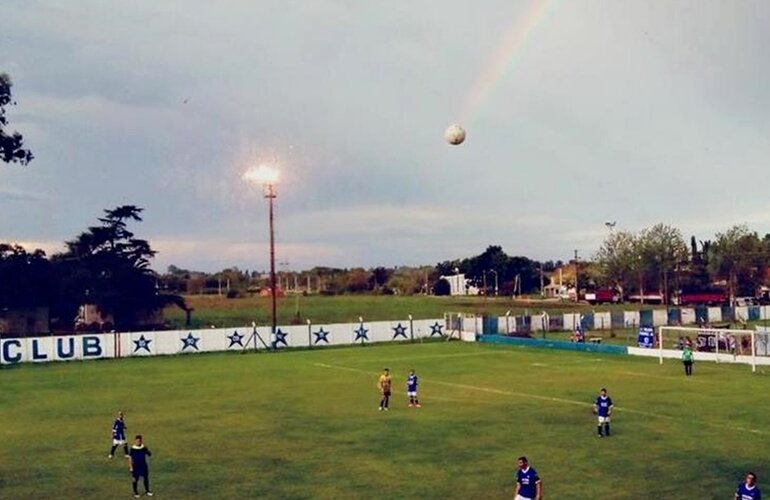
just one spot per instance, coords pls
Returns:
(608, 320)
(153, 343)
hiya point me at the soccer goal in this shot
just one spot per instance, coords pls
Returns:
(457, 323)
(715, 344)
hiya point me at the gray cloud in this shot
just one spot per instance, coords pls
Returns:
(638, 112)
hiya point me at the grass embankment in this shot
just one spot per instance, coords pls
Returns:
(223, 312)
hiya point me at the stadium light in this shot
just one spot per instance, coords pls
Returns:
(267, 177)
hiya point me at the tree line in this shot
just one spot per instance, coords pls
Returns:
(105, 266)
(658, 259)
(492, 267)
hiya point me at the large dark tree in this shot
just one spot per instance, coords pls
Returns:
(11, 143)
(24, 278)
(110, 268)
(495, 260)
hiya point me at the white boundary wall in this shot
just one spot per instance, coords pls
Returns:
(153, 343)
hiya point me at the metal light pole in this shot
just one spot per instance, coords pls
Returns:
(268, 178)
(270, 195)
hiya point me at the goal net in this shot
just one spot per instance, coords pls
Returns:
(715, 344)
(457, 323)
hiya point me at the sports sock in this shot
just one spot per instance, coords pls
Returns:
(599, 429)
(112, 450)
(607, 429)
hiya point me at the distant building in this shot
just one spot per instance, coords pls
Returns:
(458, 285)
(557, 288)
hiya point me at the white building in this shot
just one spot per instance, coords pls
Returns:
(458, 285)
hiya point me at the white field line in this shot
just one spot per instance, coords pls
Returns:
(497, 353)
(538, 397)
(462, 355)
(663, 377)
(576, 362)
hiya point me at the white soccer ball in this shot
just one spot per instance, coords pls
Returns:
(454, 134)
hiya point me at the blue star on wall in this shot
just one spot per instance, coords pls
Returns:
(142, 343)
(190, 341)
(435, 329)
(280, 338)
(361, 334)
(235, 338)
(321, 335)
(399, 331)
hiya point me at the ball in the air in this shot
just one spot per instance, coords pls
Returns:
(454, 134)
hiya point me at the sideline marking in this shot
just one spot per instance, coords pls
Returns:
(557, 400)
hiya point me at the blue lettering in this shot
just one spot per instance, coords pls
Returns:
(36, 354)
(7, 356)
(92, 346)
(60, 350)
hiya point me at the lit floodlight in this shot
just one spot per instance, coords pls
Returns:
(262, 175)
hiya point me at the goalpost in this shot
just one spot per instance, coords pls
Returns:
(715, 344)
(456, 323)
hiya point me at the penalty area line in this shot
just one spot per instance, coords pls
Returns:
(524, 395)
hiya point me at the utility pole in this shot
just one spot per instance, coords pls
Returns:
(542, 282)
(577, 290)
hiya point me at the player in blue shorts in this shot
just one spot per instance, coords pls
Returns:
(603, 408)
(411, 389)
(528, 484)
(748, 489)
(119, 435)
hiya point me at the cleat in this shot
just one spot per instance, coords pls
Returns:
(418, 405)
(109, 456)
(380, 408)
(149, 493)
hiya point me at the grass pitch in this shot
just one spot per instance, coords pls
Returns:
(304, 424)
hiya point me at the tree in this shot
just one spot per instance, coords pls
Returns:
(661, 249)
(737, 256)
(110, 268)
(618, 260)
(441, 287)
(24, 278)
(11, 143)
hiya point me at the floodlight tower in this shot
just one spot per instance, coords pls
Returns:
(267, 177)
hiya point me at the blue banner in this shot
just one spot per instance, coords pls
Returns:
(646, 337)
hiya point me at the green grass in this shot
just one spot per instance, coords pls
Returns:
(304, 424)
(223, 312)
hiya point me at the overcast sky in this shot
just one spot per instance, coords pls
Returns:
(577, 112)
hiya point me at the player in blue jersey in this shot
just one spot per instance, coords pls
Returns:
(748, 489)
(603, 408)
(119, 435)
(411, 389)
(528, 483)
(137, 464)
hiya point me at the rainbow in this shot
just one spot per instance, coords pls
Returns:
(506, 56)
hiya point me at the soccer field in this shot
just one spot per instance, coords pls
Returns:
(304, 424)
